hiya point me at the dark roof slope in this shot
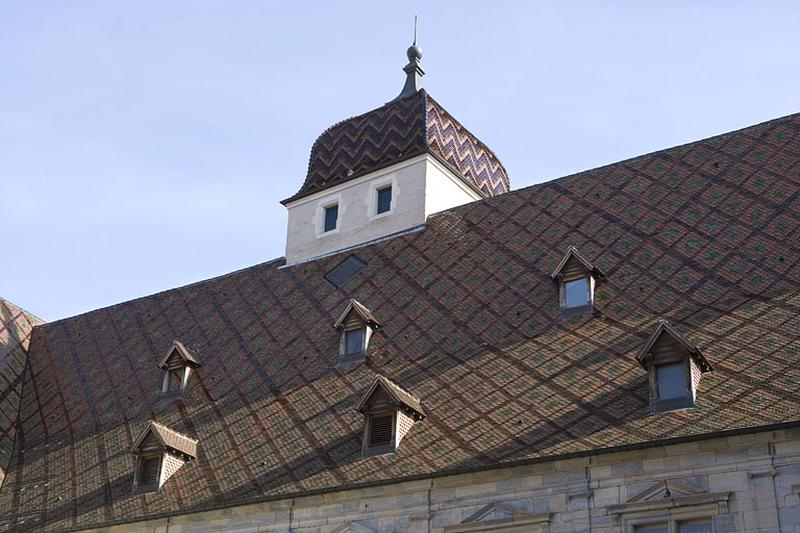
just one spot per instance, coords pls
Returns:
(705, 235)
(396, 131)
(15, 332)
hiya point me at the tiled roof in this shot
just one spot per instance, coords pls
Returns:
(15, 331)
(399, 130)
(705, 235)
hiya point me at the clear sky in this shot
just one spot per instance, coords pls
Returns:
(146, 144)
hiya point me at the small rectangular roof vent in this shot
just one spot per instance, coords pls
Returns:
(344, 271)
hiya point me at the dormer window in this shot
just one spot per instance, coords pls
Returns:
(356, 325)
(160, 452)
(671, 381)
(177, 364)
(354, 341)
(389, 413)
(674, 367)
(576, 279)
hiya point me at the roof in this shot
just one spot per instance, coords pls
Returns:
(16, 326)
(399, 395)
(399, 130)
(169, 438)
(705, 235)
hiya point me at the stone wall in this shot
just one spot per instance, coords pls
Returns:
(746, 483)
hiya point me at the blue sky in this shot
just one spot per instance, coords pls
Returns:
(145, 145)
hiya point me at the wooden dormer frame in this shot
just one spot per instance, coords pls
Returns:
(404, 408)
(354, 317)
(580, 269)
(160, 443)
(178, 359)
(666, 346)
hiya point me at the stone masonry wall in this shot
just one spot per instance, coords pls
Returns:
(746, 483)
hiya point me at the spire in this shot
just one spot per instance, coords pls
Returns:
(413, 70)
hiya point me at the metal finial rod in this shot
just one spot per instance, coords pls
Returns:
(415, 29)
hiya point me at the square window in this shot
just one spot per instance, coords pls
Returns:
(384, 199)
(353, 341)
(331, 217)
(671, 381)
(576, 293)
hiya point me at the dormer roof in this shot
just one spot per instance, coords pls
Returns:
(572, 253)
(168, 438)
(663, 327)
(398, 395)
(179, 349)
(401, 129)
(363, 313)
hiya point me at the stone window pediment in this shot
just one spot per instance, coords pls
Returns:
(576, 279)
(669, 505)
(674, 367)
(501, 518)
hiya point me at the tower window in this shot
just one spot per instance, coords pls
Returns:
(671, 381)
(384, 199)
(331, 217)
(354, 341)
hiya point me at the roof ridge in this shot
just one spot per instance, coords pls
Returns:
(165, 291)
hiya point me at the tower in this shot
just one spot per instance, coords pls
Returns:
(384, 172)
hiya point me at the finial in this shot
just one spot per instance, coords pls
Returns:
(413, 69)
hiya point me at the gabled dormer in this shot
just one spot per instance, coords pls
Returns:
(576, 279)
(160, 452)
(389, 412)
(355, 324)
(674, 366)
(177, 364)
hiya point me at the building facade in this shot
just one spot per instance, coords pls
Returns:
(613, 351)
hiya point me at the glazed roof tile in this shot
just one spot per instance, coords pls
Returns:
(705, 235)
(394, 132)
